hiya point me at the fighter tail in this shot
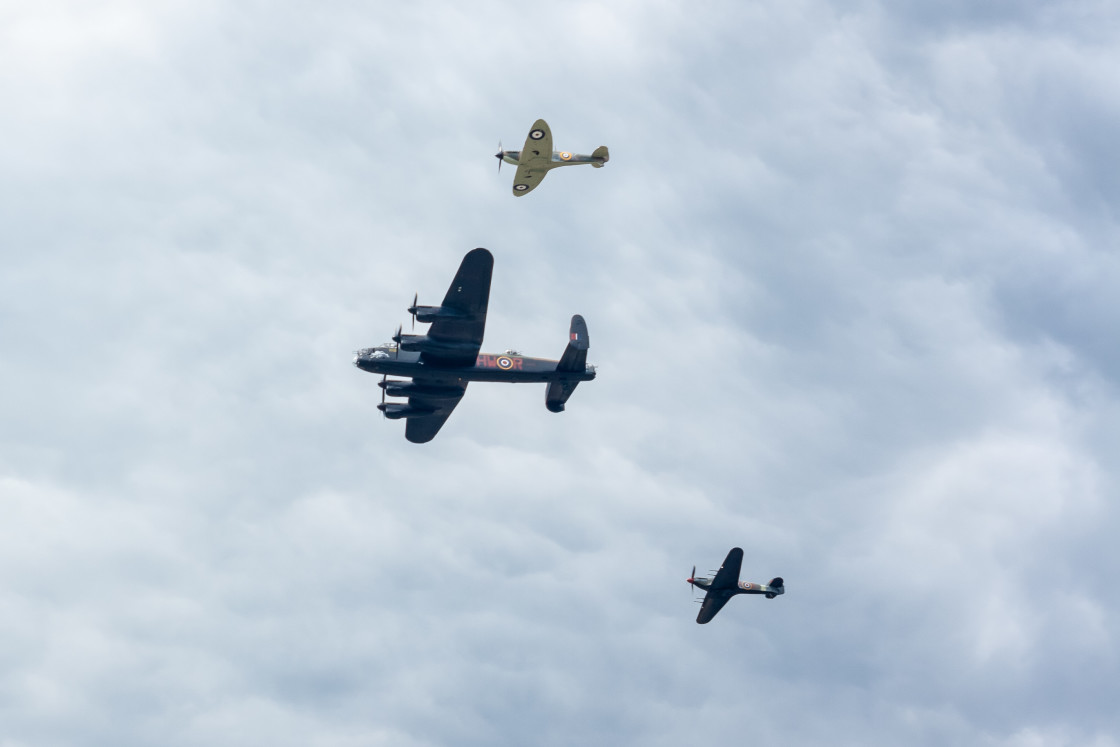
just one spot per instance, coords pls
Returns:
(600, 152)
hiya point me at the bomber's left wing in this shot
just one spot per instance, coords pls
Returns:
(466, 300)
(424, 428)
(533, 162)
(713, 603)
(728, 575)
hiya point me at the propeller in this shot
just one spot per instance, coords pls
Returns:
(384, 378)
(692, 582)
(500, 155)
(397, 339)
(412, 309)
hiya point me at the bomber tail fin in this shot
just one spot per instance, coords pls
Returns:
(574, 360)
(603, 153)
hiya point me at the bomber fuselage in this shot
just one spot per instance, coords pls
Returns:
(504, 367)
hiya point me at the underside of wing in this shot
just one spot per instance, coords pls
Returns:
(424, 428)
(538, 144)
(713, 603)
(527, 178)
(467, 299)
(728, 576)
(534, 159)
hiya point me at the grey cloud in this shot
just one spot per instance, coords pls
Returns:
(848, 282)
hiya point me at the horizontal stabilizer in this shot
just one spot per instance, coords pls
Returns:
(602, 153)
(777, 583)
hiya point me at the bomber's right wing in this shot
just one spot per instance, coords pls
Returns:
(713, 603)
(533, 162)
(728, 576)
(424, 428)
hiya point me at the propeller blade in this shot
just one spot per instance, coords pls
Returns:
(500, 155)
(384, 378)
(692, 582)
(412, 309)
(397, 339)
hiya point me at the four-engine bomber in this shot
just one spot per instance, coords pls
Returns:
(442, 362)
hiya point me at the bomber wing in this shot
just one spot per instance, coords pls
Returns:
(534, 160)
(467, 298)
(424, 428)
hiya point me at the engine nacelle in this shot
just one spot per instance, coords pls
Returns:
(426, 344)
(428, 314)
(398, 410)
(414, 389)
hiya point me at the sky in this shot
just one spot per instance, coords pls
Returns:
(851, 281)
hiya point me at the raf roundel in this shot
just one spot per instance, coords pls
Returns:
(565, 156)
(521, 187)
(536, 134)
(504, 363)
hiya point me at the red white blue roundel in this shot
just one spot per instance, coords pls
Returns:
(536, 134)
(504, 363)
(521, 187)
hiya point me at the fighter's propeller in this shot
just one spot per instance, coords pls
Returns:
(412, 309)
(692, 582)
(500, 155)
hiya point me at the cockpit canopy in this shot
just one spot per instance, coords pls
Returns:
(381, 351)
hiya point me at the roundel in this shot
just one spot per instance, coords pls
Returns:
(746, 586)
(504, 363)
(565, 156)
(536, 134)
(521, 187)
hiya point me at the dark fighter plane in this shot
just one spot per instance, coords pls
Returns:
(442, 362)
(726, 584)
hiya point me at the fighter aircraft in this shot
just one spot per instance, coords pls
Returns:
(537, 158)
(442, 362)
(726, 584)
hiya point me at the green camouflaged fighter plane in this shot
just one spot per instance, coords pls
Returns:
(537, 158)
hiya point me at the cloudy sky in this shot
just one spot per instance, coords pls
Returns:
(851, 278)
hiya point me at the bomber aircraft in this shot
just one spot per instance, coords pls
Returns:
(442, 362)
(537, 158)
(726, 584)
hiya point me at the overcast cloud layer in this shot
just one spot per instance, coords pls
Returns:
(851, 278)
